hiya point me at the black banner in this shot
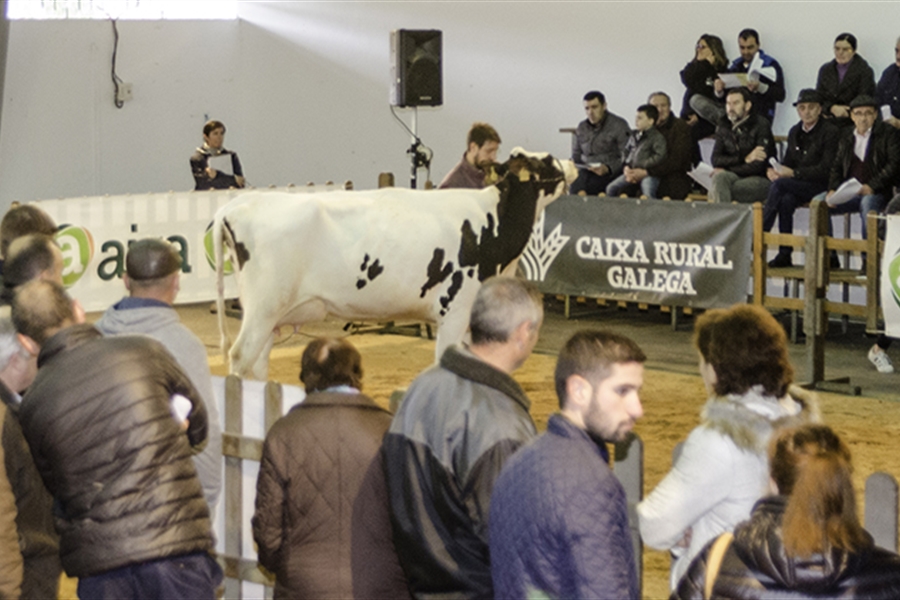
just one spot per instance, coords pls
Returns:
(675, 253)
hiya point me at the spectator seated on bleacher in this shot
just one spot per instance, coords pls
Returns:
(743, 147)
(843, 79)
(803, 173)
(869, 153)
(645, 148)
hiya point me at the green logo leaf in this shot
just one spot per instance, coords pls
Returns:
(210, 252)
(77, 246)
(894, 274)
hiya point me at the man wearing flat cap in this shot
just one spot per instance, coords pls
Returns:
(803, 173)
(870, 153)
(152, 275)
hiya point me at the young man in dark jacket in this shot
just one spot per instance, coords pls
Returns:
(98, 418)
(559, 518)
(740, 156)
(811, 147)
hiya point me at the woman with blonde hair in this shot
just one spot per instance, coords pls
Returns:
(804, 542)
(723, 468)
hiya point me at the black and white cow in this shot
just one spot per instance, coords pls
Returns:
(374, 255)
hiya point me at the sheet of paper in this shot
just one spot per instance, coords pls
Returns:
(886, 112)
(845, 192)
(221, 163)
(775, 165)
(733, 80)
(702, 174)
(181, 407)
(757, 70)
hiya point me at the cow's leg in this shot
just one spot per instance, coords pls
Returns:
(250, 351)
(260, 368)
(453, 326)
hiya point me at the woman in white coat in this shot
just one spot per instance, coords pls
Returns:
(723, 468)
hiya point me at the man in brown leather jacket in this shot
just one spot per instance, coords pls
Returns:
(99, 421)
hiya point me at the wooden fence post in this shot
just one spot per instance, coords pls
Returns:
(881, 510)
(232, 498)
(629, 469)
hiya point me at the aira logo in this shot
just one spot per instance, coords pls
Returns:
(542, 251)
(77, 246)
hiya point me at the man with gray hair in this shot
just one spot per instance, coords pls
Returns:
(152, 274)
(36, 544)
(457, 425)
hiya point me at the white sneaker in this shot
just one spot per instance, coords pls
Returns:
(881, 360)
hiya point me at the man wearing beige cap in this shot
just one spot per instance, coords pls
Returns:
(152, 274)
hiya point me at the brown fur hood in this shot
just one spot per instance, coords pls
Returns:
(750, 418)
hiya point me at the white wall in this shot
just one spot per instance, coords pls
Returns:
(303, 87)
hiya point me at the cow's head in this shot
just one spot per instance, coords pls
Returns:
(551, 175)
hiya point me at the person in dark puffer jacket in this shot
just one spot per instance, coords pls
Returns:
(559, 518)
(99, 421)
(806, 542)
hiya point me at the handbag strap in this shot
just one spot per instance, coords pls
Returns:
(714, 563)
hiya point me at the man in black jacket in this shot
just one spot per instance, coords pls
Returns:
(812, 144)
(870, 153)
(457, 425)
(108, 445)
(743, 146)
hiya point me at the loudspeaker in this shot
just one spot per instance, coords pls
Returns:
(416, 67)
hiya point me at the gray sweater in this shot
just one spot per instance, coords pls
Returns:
(160, 321)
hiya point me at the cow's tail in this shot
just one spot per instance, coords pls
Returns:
(218, 240)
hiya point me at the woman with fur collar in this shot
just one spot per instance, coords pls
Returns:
(723, 468)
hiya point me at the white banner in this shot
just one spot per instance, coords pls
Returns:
(95, 232)
(890, 277)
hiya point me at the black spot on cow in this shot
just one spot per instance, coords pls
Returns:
(437, 271)
(371, 271)
(468, 247)
(470, 273)
(375, 270)
(240, 250)
(455, 284)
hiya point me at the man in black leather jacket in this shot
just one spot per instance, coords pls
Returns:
(743, 147)
(98, 418)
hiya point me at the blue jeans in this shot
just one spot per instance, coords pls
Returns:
(189, 576)
(862, 204)
(618, 186)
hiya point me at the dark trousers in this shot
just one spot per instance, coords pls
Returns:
(786, 195)
(41, 578)
(189, 576)
(591, 183)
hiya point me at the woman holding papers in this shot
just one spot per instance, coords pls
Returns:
(843, 79)
(214, 167)
(700, 107)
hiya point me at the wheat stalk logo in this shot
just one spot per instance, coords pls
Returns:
(542, 251)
